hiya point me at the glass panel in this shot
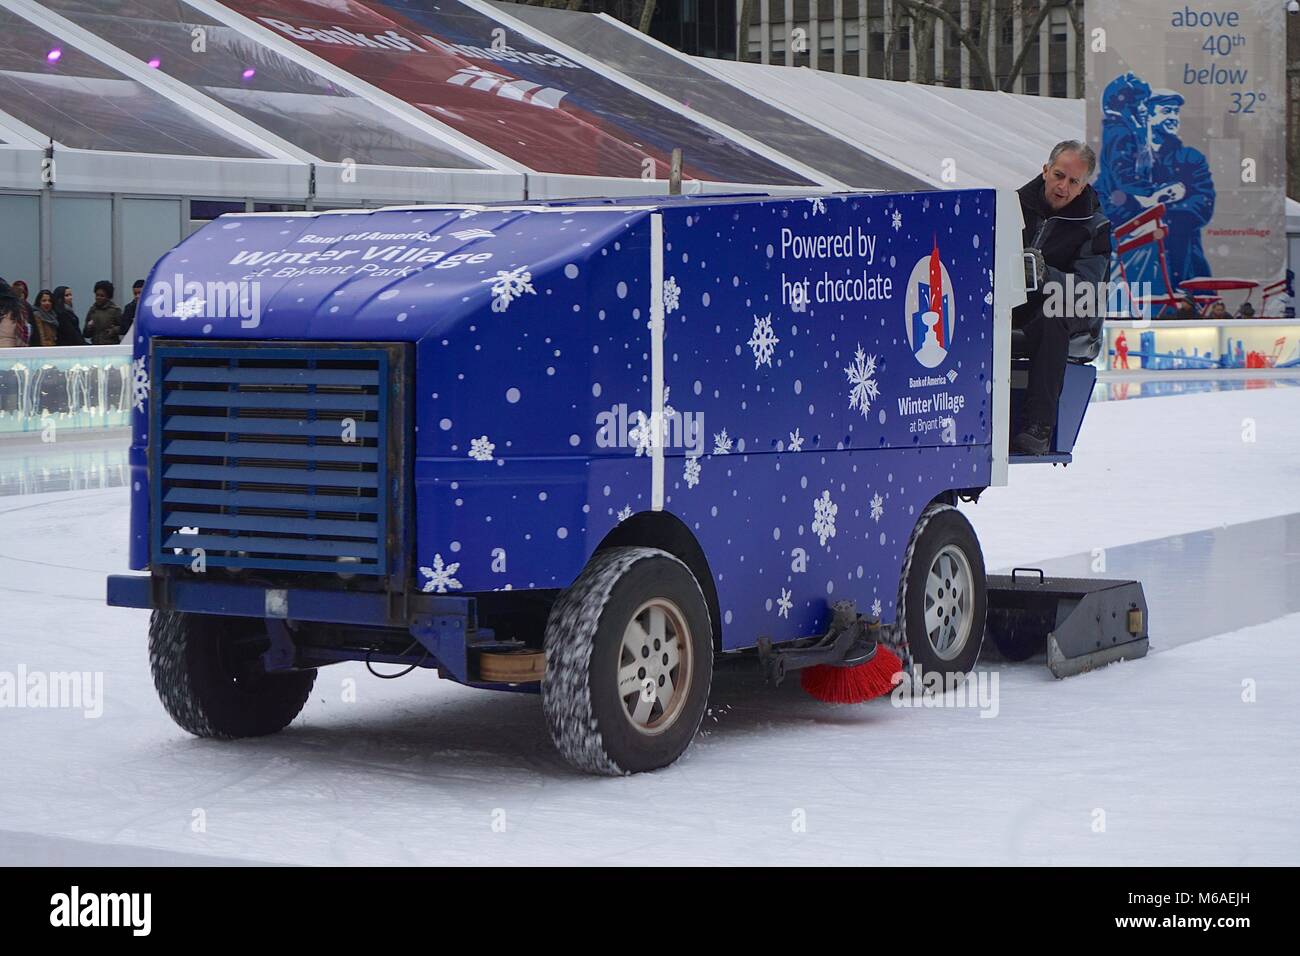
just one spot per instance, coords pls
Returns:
(90, 389)
(259, 84)
(83, 248)
(70, 96)
(515, 96)
(677, 78)
(150, 227)
(20, 241)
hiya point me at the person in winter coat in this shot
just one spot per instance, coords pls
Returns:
(104, 320)
(15, 330)
(45, 321)
(128, 314)
(1066, 235)
(69, 327)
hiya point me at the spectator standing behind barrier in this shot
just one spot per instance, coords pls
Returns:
(45, 321)
(1218, 311)
(1186, 308)
(14, 330)
(69, 327)
(104, 320)
(128, 314)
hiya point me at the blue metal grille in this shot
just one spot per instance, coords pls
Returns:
(271, 458)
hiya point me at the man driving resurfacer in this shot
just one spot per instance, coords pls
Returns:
(1066, 233)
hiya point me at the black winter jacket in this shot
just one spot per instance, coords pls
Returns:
(1075, 240)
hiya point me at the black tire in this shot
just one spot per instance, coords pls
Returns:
(595, 727)
(941, 530)
(206, 671)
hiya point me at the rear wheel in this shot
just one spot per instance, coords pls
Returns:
(208, 674)
(943, 597)
(629, 659)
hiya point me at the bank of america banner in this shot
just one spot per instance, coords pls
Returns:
(1187, 112)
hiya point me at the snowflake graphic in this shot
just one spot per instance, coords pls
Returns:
(721, 443)
(988, 296)
(670, 414)
(818, 204)
(139, 383)
(763, 341)
(642, 433)
(784, 604)
(896, 220)
(692, 473)
(672, 295)
(625, 514)
(480, 449)
(796, 441)
(861, 375)
(440, 577)
(877, 507)
(824, 511)
(191, 308)
(508, 286)
(875, 608)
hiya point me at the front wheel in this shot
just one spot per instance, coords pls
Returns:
(208, 674)
(943, 598)
(629, 660)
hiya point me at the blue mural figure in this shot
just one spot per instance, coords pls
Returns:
(1123, 129)
(1145, 163)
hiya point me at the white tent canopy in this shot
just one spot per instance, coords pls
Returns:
(950, 138)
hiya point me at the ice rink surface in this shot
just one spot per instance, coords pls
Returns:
(1189, 756)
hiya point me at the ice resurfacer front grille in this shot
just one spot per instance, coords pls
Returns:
(274, 458)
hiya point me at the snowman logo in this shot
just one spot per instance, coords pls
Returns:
(929, 310)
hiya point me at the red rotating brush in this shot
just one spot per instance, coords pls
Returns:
(856, 684)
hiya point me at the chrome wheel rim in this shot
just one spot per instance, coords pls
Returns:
(949, 593)
(655, 666)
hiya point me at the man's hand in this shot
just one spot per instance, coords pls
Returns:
(1035, 267)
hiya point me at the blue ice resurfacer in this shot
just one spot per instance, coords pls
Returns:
(585, 448)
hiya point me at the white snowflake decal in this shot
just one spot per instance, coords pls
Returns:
(861, 375)
(642, 433)
(692, 472)
(191, 308)
(824, 511)
(875, 608)
(763, 341)
(877, 507)
(988, 296)
(818, 204)
(796, 441)
(440, 577)
(672, 295)
(625, 514)
(721, 443)
(480, 449)
(784, 604)
(139, 383)
(508, 286)
(896, 220)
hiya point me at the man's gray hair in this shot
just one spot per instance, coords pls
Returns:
(1074, 146)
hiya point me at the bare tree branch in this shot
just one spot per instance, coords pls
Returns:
(647, 14)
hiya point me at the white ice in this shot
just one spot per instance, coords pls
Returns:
(1181, 768)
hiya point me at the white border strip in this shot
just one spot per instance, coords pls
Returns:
(1008, 292)
(657, 360)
